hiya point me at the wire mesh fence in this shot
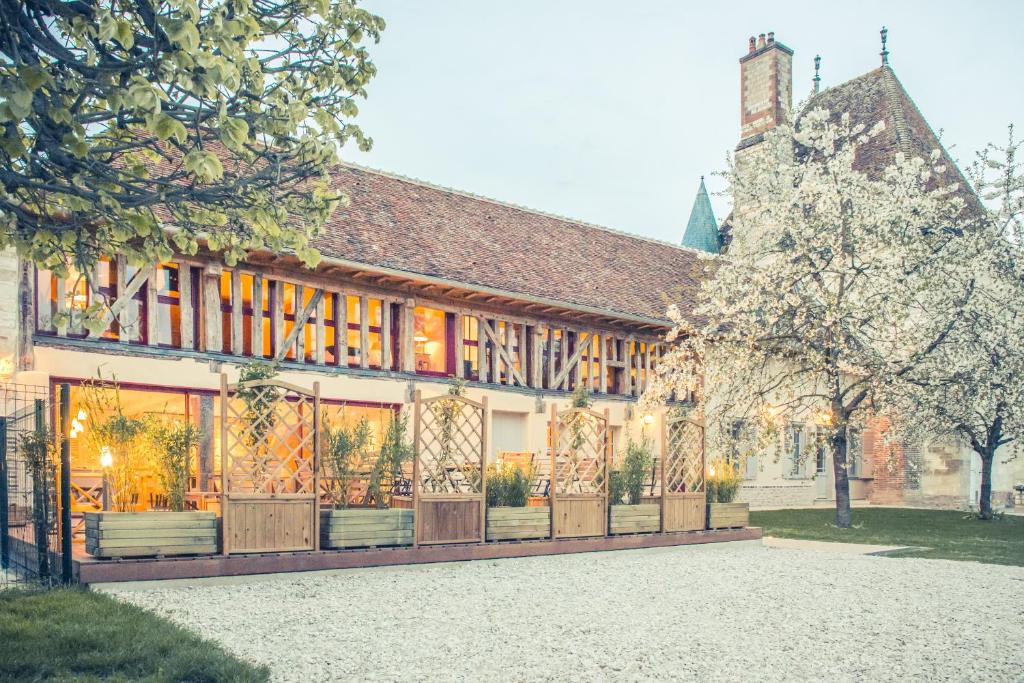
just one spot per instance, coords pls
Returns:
(31, 548)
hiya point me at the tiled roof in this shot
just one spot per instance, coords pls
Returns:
(399, 224)
(877, 96)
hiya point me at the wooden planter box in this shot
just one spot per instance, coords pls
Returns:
(507, 524)
(726, 515)
(365, 528)
(141, 534)
(644, 518)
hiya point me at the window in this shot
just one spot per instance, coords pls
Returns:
(854, 451)
(820, 459)
(168, 304)
(72, 295)
(795, 447)
(470, 347)
(225, 311)
(742, 448)
(430, 340)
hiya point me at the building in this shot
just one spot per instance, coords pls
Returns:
(420, 284)
(795, 472)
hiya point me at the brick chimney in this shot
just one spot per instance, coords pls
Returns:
(766, 86)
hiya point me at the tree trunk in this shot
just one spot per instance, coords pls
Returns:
(985, 499)
(842, 479)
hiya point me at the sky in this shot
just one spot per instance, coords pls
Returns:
(610, 112)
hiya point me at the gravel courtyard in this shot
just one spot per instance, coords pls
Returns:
(717, 612)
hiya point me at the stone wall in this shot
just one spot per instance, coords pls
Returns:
(9, 312)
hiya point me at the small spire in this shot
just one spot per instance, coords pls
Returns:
(817, 74)
(885, 52)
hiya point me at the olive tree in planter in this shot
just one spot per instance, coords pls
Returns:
(627, 513)
(508, 517)
(723, 484)
(346, 456)
(127, 445)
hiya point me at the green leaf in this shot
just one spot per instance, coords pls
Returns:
(234, 132)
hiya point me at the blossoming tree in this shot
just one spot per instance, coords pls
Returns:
(835, 283)
(972, 387)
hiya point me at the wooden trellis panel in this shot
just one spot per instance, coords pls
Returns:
(581, 459)
(449, 487)
(269, 466)
(682, 475)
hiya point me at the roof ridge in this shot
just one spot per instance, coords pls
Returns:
(517, 207)
(890, 83)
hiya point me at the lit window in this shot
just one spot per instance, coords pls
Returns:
(470, 347)
(430, 340)
(168, 305)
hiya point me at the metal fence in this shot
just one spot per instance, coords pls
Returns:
(35, 542)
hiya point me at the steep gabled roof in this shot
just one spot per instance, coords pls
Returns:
(702, 228)
(412, 227)
(877, 96)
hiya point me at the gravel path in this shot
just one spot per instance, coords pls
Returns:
(718, 612)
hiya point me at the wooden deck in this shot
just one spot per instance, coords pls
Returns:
(90, 570)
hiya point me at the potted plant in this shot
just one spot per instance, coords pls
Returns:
(723, 485)
(127, 446)
(508, 515)
(348, 463)
(628, 514)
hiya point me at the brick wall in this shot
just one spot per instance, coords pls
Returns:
(800, 494)
(766, 86)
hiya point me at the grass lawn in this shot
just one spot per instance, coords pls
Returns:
(76, 635)
(946, 534)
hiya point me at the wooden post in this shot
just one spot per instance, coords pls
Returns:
(316, 464)
(321, 332)
(185, 306)
(523, 365)
(214, 333)
(341, 330)
(277, 318)
(416, 468)
(577, 372)
(661, 467)
(563, 359)
(536, 357)
(607, 464)
(509, 334)
(237, 313)
(495, 366)
(407, 347)
(225, 460)
(120, 266)
(552, 489)
(551, 358)
(481, 350)
(257, 316)
(385, 335)
(627, 367)
(152, 304)
(485, 415)
(647, 365)
(602, 363)
(460, 346)
(364, 332)
(299, 324)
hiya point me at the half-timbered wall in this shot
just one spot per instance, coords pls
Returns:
(243, 312)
